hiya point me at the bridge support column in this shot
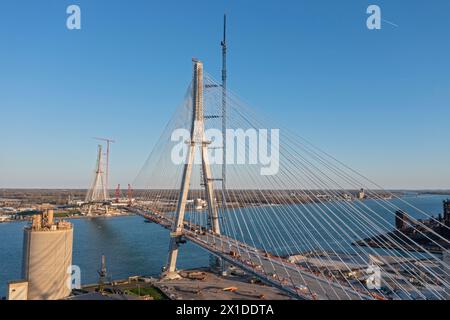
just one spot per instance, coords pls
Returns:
(197, 139)
(177, 227)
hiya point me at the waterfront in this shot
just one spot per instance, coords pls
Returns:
(130, 246)
(134, 247)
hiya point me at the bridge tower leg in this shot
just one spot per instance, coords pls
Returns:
(197, 139)
(97, 191)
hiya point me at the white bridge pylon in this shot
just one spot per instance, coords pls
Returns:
(197, 139)
(97, 191)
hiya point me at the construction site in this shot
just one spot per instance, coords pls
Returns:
(196, 284)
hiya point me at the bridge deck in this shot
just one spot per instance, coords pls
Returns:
(276, 271)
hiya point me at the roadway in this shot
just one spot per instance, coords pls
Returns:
(280, 273)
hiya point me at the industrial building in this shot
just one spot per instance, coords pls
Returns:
(47, 260)
(402, 220)
(361, 194)
(18, 290)
(447, 213)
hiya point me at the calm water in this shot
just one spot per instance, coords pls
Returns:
(133, 247)
(332, 226)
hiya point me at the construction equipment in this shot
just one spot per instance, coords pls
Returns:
(102, 274)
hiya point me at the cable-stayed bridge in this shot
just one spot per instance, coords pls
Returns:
(290, 214)
(283, 274)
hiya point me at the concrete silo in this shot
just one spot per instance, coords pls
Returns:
(47, 256)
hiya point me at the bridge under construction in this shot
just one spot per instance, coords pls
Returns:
(295, 227)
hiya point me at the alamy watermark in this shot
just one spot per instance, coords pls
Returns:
(73, 21)
(243, 147)
(374, 20)
(73, 277)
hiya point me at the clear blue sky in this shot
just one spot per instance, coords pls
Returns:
(377, 100)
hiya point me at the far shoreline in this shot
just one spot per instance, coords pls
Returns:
(78, 217)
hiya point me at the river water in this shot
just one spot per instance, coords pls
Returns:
(133, 247)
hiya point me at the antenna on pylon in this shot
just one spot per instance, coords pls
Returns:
(224, 110)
